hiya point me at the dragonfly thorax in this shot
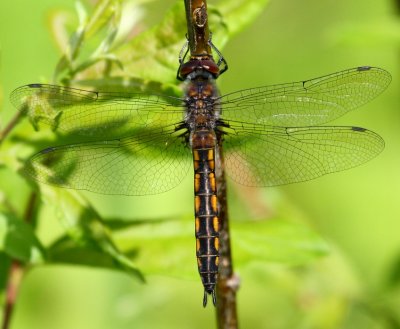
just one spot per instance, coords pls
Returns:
(200, 104)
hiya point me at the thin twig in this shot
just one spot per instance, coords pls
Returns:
(17, 270)
(30, 209)
(13, 284)
(197, 24)
(228, 283)
(11, 125)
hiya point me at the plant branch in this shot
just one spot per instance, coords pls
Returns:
(11, 125)
(17, 270)
(30, 208)
(197, 23)
(13, 284)
(227, 283)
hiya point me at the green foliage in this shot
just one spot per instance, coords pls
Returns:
(276, 241)
(18, 240)
(166, 247)
(87, 240)
(147, 61)
(106, 15)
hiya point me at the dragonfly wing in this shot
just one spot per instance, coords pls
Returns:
(137, 165)
(305, 103)
(95, 114)
(267, 156)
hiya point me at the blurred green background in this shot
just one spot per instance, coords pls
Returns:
(357, 212)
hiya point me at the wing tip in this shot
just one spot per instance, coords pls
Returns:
(376, 69)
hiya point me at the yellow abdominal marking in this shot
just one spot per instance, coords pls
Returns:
(197, 202)
(210, 154)
(214, 203)
(216, 224)
(216, 243)
(211, 177)
(197, 224)
(196, 182)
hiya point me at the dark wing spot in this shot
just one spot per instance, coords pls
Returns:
(47, 150)
(35, 85)
(364, 68)
(358, 129)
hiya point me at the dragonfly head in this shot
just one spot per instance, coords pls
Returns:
(198, 66)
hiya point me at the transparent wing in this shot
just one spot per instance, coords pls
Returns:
(267, 156)
(95, 114)
(138, 165)
(305, 103)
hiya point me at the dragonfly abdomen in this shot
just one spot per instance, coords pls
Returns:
(206, 210)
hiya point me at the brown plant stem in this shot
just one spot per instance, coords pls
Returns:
(17, 270)
(197, 25)
(14, 281)
(30, 208)
(228, 283)
(11, 125)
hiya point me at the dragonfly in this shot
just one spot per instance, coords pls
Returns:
(143, 143)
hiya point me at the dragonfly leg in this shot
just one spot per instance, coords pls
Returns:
(221, 59)
(182, 55)
(184, 51)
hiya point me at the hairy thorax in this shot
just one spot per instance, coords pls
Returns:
(201, 109)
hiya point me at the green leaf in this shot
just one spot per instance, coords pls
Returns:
(82, 14)
(87, 253)
(276, 241)
(89, 242)
(18, 241)
(106, 12)
(153, 54)
(168, 247)
(162, 247)
(130, 22)
(240, 14)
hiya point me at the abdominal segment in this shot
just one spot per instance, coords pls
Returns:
(206, 210)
